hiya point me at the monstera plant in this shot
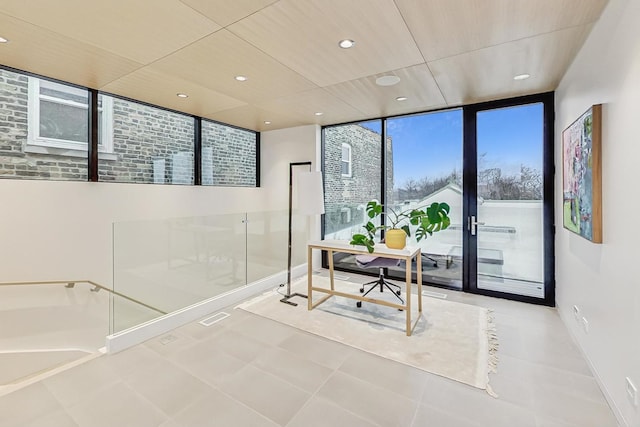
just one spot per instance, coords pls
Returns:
(426, 220)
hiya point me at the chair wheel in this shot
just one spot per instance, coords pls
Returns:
(398, 292)
(359, 304)
(362, 290)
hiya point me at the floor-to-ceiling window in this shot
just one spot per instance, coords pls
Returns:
(426, 167)
(490, 162)
(352, 156)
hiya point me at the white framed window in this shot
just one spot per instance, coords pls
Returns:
(345, 215)
(345, 162)
(58, 119)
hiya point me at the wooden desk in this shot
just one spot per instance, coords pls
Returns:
(407, 254)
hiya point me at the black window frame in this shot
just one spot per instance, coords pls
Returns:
(469, 170)
(92, 118)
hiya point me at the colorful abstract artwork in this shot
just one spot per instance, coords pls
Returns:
(582, 175)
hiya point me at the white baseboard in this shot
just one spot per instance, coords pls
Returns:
(145, 331)
(614, 407)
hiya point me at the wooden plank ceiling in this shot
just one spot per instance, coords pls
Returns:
(445, 52)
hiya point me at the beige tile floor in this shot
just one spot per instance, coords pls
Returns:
(250, 371)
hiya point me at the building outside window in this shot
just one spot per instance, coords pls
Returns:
(58, 119)
(44, 134)
(150, 145)
(228, 155)
(345, 164)
(24, 153)
(350, 176)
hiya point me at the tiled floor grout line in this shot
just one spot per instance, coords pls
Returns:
(311, 397)
(215, 388)
(541, 369)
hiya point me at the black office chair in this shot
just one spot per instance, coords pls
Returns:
(368, 261)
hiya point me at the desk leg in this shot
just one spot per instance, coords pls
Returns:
(419, 280)
(309, 275)
(408, 292)
(330, 254)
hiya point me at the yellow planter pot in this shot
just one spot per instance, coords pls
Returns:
(395, 239)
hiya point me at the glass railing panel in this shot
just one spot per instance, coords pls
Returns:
(161, 266)
(266, 244)
(267, 237)
(126, 313)
(173, 263)
(300, 235)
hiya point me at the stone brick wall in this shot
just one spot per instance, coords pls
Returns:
(15, 161)
(228, 156)
(351, 194)
(150, 145)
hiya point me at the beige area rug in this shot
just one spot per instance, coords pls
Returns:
(454, 340)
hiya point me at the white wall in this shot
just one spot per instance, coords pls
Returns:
(278, 149)
(53, 230)
(602, 279)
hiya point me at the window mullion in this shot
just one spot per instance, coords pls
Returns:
(93, 135)
(197, 151)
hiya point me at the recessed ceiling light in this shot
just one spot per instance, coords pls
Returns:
(387, 80)
(401, 98)
(241, 78)
(346, 43)
(319, 113)
(3, 40)
(521, 76)
(182, 95)
(267, 122)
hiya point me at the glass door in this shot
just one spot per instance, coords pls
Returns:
(508, 223)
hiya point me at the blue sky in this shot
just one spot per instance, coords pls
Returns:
(431, 144)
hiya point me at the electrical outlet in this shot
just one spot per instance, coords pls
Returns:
(585, 325)
(632, 392)
(576, 312)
